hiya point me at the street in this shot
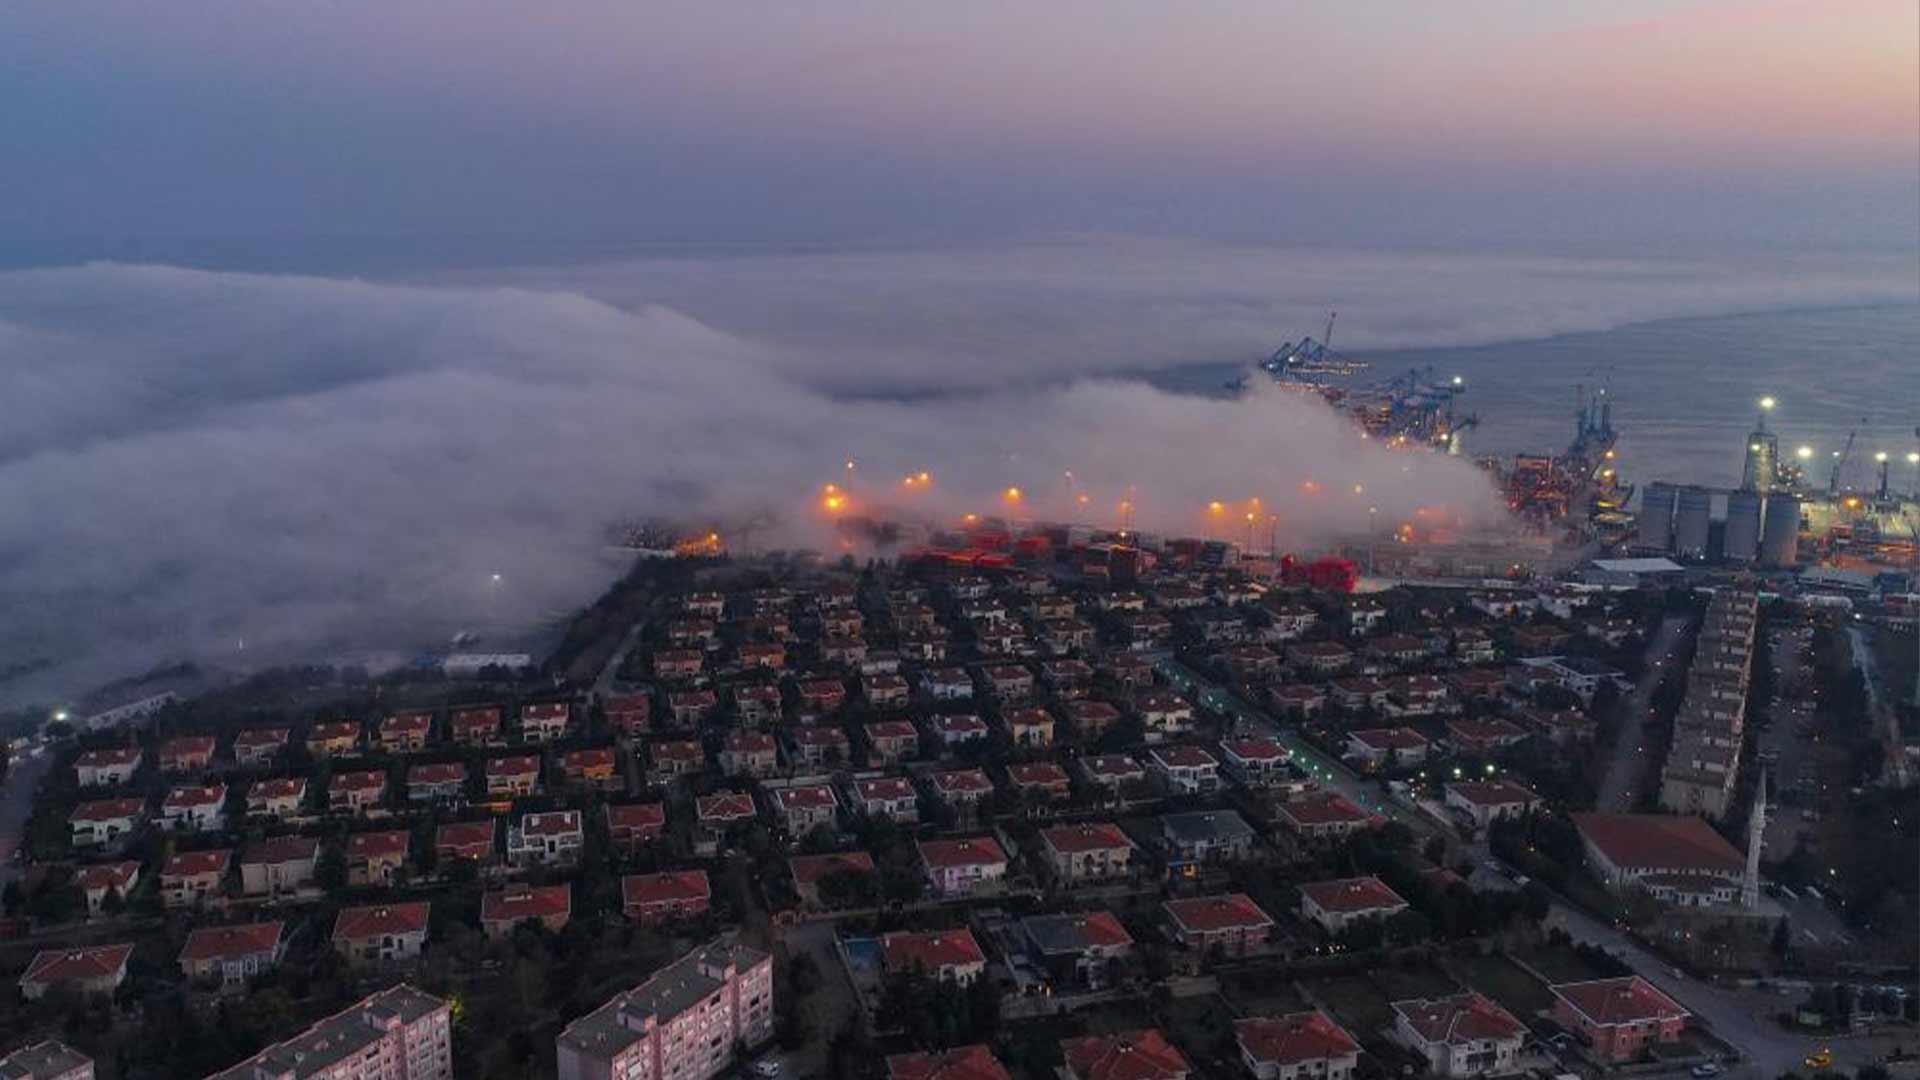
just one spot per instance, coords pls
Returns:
(16, 805)
(1627, 768)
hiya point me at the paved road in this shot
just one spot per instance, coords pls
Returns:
(1896, 773)
(1627, 768)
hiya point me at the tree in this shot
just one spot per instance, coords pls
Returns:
(330, 870)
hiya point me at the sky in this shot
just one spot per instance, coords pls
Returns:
(351, 134)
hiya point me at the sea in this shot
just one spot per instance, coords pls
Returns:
(1685, 393)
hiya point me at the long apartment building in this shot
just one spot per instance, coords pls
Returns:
(1702, 766)
(396, 1034)
(681, 1024)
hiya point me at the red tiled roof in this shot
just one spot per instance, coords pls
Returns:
(1206, 914)
(189, 795)
(1093, 712)
(818, 735)
(1350, 895)
(516, 765)
(962, 780)
(804, 796)
(195, 863)
(1323, 808)
(885, 787)
(465, 834)
(970, 851)
(545, 711)
(1462, 1018)
(1133, 1055)
(750, 742)
(1395, 738)
(677, 750)
(1626, 1000)
(407, 723)
(117, 876)
(593, 758)
(63, 965)
(890, 729)
(359, 923)
(1484, 730)
(120, 755)
(550, 823)
(280, 787)
(674, 886)
(1183, 757)
(370, 845)
(481, 719)
(1659, 842)
(974, 1062)
(1101, 929)
(639, 816)
(960, 724)
(934, 951)
(1091, 836)
(107, 809)
(1294, 1038)
(724, 806)
(808, 869)
(1492, 792)
(520, 902)
(439, 773)
(369, 780)
(280, 849)
(187, 746)
(330, 730)
(1110, 765)
(1037, 772)
(1254, 749)
(228, 942)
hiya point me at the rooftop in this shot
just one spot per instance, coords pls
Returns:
(1294, 1038)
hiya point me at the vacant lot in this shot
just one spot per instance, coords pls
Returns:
(1559, 963)
(1507, 983)
(1259, 993)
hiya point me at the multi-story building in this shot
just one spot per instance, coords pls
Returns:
(103, 821)
(1077, 949)
(629, 714)
(1185, 770)
(1377, 747)
(954, 730)
(1484, 803)
(1127, 1055)
(356, 792)
(1297, 1046)
(1254, 762)
(1028, 727)
(279, 798)
(887, 797)
(1460, 1036)
(1091, 851)
(683, 1023)
(961, 789)
(544, 721)
(404, 733)
(817, 745)
(194, 807)
(972, 1062)
(1039, 781)
(475, 726)
(444, 781)
(381, 933)
(186, 753)
(1322, 816)
(471, 841)
(511, 777)
(749, 753)
(396, 1034)
(801, 808)
(890, 742)
(593, 767)
(333, 738)
(1680, 860)
(1199, 837)
(231, 954)
(97, 880)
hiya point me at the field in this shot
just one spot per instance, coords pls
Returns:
(1507, 983)
(1363, 1002)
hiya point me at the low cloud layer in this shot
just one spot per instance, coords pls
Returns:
(191, 461)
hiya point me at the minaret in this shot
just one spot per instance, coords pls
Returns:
(1756, 828)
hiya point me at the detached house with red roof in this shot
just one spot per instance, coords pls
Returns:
(941, 954)
(510, 777)
(278, 865)
(1620, 1019)
(503, 909)
(1680, 860)
(595, 767)
(810, 870)
(356, 792)
(973, 1062)
(1185, 770)
(818, 745)
(381, 933)
(1298, 1046)
(962, 867)
(1483, 736)
(375, 858)
(1255, 762)
(404, 733)
(1376, 747)
(1324, 816)
(436, 782)
(1079, 950)
(97, 969)
(194, 808)
(635, 825)
(961, 789)
(187, 878)
(98, 879)
(333, 738)
(1488, 802)
(475, 726)
(188, 753)
(890, 742)
(102, 768)
(1129, 1055)
(230, 955)
(749, 753)
(801, 808)
(1337, 905)
(629, 714)
(1086, 852)
(279, 798)
(552, 838)
(889, 797)
(469, 840)
(544, 721)
(103, 821)
(1230, 922)
(651, 899)
(1460, 1036)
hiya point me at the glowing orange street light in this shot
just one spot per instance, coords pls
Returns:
(1216, 507)
(925, 477)
(1013, 494)
(970, 518)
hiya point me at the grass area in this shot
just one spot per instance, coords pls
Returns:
(1399, 985)
(1259, 993)
(1203, 1026)
(1559, 963)
(1507, 983)
(1355, 1001)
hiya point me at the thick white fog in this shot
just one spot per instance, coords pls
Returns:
(190, 460)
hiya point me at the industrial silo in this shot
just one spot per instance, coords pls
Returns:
(1656, 517)
(1742, 541)
(1692, 522)
(1780, 538)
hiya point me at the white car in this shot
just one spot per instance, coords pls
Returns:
(768, 1069)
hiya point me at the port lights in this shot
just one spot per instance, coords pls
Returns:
(1804, 453)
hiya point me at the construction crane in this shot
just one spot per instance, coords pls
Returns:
(1840, 462)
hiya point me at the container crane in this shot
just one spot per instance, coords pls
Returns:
(1840, 462)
